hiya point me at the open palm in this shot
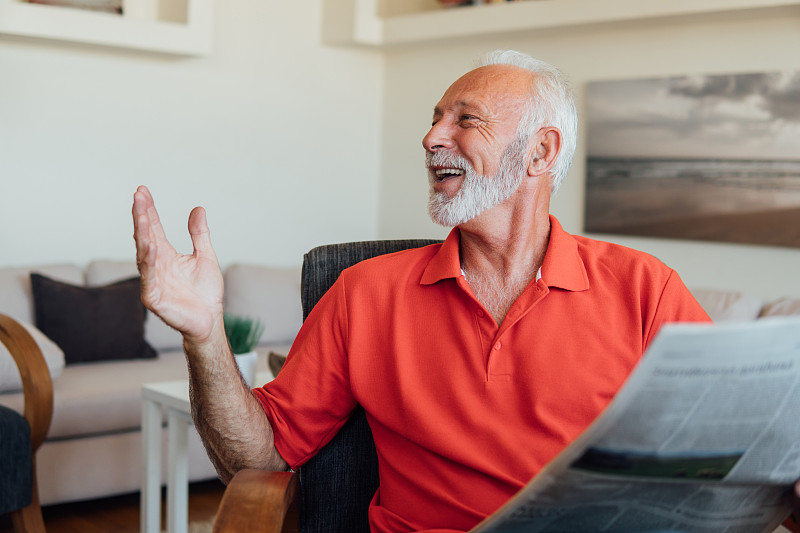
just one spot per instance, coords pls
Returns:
(184, 290)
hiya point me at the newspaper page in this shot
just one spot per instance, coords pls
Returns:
(703, 438)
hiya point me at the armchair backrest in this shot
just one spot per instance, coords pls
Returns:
(339, 482)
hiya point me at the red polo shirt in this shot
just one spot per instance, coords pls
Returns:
(464, 412)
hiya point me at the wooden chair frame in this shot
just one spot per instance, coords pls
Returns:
(37, 388)
(260, 501)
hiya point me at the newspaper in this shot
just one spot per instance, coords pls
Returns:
(703, 438)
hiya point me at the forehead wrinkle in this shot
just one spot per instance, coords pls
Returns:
(460, 105)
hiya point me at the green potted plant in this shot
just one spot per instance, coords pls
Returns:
(243, 335)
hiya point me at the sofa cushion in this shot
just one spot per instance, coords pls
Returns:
(16, 299)
(92, 323)
(725, 306)
(53, 356)
(784, 306)
(106, 397)
(269, 294)
(157, 334)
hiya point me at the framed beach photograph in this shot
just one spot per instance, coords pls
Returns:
(706, 157)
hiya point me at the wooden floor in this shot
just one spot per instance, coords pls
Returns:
(120, 514)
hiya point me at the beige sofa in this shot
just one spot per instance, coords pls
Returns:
(94, 445)
(725, 306)
(93, 448)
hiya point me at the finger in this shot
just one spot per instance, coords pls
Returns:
(142, 199)
(198, 230)
(141, 225)
(147, 240)
(141, 236)
(147, 206)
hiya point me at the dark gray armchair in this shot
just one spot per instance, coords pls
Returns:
(332, 491)
(21, 435)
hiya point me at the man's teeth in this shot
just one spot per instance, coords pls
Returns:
(449, 171)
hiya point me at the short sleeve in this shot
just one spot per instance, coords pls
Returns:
(675, 304)
(311, 398)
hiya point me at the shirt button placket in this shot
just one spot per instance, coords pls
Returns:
(484, 331)
(494, 360)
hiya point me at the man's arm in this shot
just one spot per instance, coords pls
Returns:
(186, 292)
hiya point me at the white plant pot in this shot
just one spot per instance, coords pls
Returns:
(247, 366)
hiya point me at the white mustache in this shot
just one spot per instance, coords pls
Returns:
(446, 159)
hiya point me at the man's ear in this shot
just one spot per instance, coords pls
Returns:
(545, 149)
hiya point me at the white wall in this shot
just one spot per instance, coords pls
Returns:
(757, 41)
(266, 133)
(282, 138)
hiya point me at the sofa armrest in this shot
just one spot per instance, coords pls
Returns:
(260, 501)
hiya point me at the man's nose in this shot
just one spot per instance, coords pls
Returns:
(438, 138)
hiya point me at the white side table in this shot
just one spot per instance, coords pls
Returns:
(174, 395)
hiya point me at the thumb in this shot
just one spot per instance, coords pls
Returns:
(199, 232)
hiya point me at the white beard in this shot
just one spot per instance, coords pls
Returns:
(478, 193)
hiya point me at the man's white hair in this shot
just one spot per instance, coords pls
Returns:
(551, 104)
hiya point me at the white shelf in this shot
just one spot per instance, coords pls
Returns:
(132, 31)
(357, 21)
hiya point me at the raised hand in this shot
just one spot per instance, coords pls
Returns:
(184, 290)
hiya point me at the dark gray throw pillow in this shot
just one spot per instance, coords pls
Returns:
(92, 323)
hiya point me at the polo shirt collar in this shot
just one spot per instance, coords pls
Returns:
(446, 262)
(562, 267)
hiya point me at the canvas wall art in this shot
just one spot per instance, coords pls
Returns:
(708, 157)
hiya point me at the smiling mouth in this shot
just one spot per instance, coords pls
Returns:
(443, 174)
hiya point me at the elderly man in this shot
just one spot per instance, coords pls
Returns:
(477, 360)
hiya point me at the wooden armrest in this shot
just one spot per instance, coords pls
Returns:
(37, 385)
(792, 523)
(259, 501)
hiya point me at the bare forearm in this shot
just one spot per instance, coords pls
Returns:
(234, 428)
(186, 291)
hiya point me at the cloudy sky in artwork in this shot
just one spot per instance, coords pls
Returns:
(715, 116)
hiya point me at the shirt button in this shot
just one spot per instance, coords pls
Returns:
(479, 312)
(498, 345)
